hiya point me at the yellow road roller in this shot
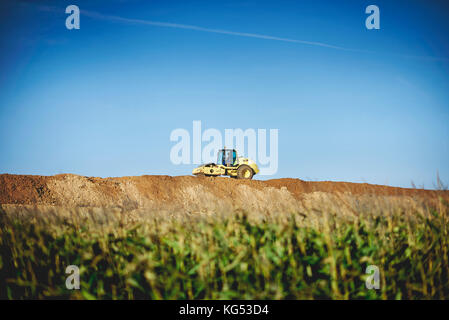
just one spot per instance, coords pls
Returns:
(228, 164)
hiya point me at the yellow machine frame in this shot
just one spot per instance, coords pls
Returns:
(242, 168)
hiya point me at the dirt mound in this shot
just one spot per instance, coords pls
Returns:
(206, 195)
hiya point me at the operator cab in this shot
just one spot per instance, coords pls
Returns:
(227, 157)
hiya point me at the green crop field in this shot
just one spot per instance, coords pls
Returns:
(237, 256)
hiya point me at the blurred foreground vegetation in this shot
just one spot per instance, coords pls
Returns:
(241, 255)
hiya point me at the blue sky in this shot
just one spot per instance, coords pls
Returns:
(103, 100)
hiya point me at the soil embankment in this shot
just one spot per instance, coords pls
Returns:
(207, 195)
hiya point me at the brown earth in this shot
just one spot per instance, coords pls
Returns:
(208, 195)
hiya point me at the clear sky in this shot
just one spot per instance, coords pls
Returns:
(103, 100)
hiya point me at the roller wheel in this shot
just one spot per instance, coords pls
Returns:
(245, 172)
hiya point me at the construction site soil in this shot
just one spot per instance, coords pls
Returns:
(207, 195)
